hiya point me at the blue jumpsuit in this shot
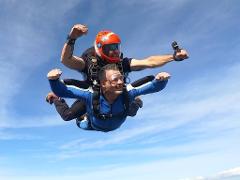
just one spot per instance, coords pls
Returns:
(117, 107)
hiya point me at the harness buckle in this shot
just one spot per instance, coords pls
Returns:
(103, 116)
(106, 116)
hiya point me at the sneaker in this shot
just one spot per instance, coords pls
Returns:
(134, 106)
(139, 102)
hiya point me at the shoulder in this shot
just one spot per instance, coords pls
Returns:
(88, 52)
(126, 64)
(86, 56)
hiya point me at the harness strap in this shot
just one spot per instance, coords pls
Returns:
(95, 63)
(96, 106)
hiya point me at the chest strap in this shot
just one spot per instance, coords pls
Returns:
(96, 106)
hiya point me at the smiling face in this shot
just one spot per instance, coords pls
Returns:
(113, 82)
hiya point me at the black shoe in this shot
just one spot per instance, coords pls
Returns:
(138, 101)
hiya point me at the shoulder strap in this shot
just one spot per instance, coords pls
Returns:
(95, 99)
(126, 99)
(96, 106)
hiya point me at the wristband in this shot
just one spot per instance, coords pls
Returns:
(70, 41)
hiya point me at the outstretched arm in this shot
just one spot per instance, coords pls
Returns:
(156, 61)
(67, 57)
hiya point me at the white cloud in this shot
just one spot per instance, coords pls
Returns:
(170, 169)
(4, 135)
(28, 42)
(232, 174)
(229, 173)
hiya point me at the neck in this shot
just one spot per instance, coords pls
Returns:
(110, 97)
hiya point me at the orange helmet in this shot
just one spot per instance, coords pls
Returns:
(107, 46)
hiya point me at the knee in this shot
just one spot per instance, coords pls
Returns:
(133, 109)
(134, 106)
(68, 116)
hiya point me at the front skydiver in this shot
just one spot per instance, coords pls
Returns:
(69, 113)
(106, 50)
(110, 110)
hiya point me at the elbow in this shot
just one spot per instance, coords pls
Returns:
(58, 87)
(164, 84)
(57, 91)
(161, 85)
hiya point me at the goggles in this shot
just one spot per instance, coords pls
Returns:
(110, 47)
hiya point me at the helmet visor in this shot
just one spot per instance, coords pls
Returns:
(111, 50)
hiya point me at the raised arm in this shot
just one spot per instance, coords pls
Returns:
(61, 90)
(67, 57)
(155, 85)
(156, 61)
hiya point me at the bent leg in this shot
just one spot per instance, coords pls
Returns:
(134, 106)
(67, 113)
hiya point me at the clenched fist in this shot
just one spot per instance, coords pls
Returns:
(162, 76)
(182, 54)
(78, 30)
(54, 74)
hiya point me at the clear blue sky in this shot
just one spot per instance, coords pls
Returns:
(188, 131)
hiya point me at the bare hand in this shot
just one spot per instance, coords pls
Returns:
(162, 76)
(51, 97)
(78, 30)
(54, 74)
(181, 54)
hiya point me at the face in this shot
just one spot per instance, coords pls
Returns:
(112, 50)
(114, 82)
(114, 53)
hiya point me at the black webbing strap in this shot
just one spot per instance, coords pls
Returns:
(96, 106)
